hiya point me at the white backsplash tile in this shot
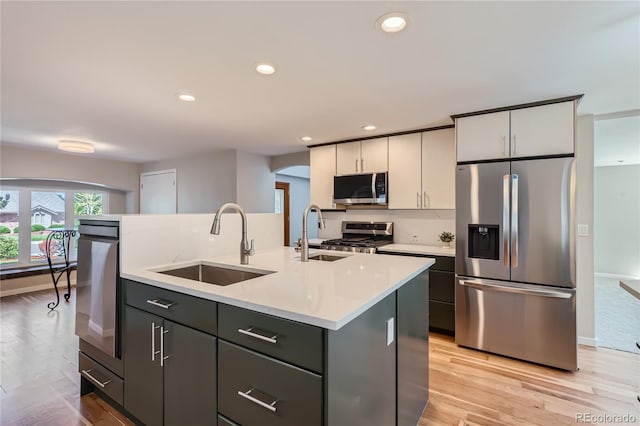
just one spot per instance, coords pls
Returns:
(151, 240)
(410, 226)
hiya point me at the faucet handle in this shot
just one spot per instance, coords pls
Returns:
(299, 244)
(252, 250)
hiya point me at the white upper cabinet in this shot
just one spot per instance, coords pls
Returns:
(542, 130)
(422, 170)
(526, 132)
(348, 158)
(322, 171)
(483, 137)
(439, 169)
(362, 157)
(374, 155)
(405, 171)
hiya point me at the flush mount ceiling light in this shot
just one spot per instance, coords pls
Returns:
(76, 146)
(266, 69)
(306, 138)
(187, 98)
(369, 127)
(392, 22)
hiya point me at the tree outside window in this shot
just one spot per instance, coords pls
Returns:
(9, 229)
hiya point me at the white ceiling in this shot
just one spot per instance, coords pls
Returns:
(109, 72)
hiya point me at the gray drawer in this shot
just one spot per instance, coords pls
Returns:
(264, 380)
(192, 311)
(296, 343)
(102, 378)
(444, 263)
(442, 286)
(442, 317)
(223, 421)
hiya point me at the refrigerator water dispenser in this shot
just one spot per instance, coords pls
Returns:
(484, 242)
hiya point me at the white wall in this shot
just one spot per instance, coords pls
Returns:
(298, 201)
(617, 220)
(204, 182)
(585, 305)
(279, 162)
(255, 183)
(21, 163)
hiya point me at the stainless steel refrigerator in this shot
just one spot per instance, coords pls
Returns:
(515, 259)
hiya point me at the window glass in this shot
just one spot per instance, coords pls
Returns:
(47, 214)
(279, 207)
(9, 230)
(85, 204)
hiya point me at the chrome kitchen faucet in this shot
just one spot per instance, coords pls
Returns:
(245, 249)
(304, 252)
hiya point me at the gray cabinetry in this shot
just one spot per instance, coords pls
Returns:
(170, 369)
(442, 308)
(293, 342)
(254, 389)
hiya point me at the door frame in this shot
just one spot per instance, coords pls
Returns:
(284, 186)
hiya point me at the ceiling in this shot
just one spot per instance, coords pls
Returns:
(109, 72)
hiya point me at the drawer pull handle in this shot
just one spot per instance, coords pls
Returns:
(249, 332)
(271, 407)
(156, 302)
(96, 381)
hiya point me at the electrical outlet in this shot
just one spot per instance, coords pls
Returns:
(583, 230)
(414, 238)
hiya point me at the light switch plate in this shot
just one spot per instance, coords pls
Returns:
(391, 331)
(583, 230)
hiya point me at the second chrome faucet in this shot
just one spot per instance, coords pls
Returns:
(304, 252)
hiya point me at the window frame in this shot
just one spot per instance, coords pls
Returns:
(24, 219)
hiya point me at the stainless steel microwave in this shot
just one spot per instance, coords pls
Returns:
(366, 188)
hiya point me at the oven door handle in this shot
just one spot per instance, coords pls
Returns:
(526, 291)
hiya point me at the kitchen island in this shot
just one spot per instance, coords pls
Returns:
(319, 342)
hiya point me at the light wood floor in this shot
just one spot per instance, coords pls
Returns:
(39, 380)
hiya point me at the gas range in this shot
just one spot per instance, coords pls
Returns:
(361, 237)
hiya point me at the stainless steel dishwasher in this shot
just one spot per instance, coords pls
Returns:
(97, 310)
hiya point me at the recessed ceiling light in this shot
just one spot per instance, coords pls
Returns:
(392, 22)
(266, 69)
(187, 98)
(306, 138)
(369, 127)
(76, 146)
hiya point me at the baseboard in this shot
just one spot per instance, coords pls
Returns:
(616, 276)
(31, 289)
(587, 341)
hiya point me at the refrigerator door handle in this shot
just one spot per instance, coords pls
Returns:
(505, 219)
(491, 287)
(514, 221)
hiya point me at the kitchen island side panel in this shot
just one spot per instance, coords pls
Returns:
(360, 383)
(413, 349)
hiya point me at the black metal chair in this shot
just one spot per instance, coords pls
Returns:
(57, 246)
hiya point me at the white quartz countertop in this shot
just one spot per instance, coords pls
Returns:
(632, 286)
(418, 249)
(324, 294)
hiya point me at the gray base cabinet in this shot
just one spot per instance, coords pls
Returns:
(269, 371)
(170, 369)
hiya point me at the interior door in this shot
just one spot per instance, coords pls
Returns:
(482, 220)
(158, 194)
(542, 245)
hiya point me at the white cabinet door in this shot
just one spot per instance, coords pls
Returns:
(374, 156)
(348, 158)
(322, 171)
(438, 169)
(483, 137)
(405, 171)
(542, 130)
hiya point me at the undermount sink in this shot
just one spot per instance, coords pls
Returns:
(326, 257)
(211, 274)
